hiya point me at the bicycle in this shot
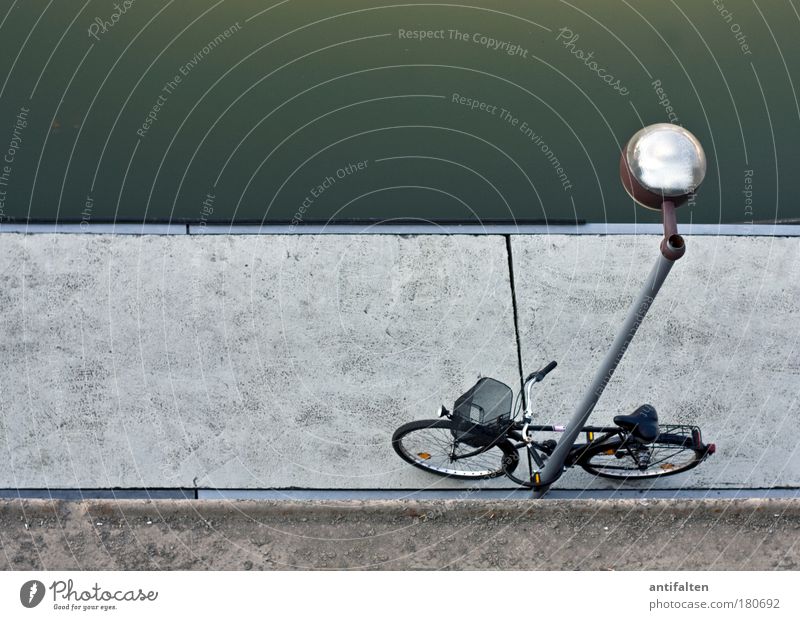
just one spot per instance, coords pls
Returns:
(481, 439)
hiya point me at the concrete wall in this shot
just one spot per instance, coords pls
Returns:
(279, 361)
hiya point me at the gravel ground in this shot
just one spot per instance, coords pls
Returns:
(445, 534)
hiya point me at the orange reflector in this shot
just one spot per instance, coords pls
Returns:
(609, 451)
(667, 466)
(590, 436)
(536, 478)
(424, 455)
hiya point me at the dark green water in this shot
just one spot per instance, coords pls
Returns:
(316, 110)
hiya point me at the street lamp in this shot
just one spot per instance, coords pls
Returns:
(661, 167)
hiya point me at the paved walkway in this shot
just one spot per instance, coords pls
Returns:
(279, 361)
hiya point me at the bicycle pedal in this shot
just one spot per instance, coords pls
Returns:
(548, 445)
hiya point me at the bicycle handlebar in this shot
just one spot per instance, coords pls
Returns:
(546, 370)
(532, 378)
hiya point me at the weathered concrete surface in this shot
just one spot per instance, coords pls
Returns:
(283, 361)
(238, 361)
(719, 348)
(551, 535)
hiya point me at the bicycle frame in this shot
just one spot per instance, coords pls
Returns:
(595, 435)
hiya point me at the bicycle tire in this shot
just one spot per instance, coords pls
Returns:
(426, 444)
(669, 455)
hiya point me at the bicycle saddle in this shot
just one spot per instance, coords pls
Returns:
(642, 423)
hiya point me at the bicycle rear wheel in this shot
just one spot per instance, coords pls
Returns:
(666, 456)
(429, 445)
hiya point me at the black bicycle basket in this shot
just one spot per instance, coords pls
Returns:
(483, 412)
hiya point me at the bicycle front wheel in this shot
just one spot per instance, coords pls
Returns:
(666, 456)
(429, 445)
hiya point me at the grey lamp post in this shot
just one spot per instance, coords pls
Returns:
(661, 167)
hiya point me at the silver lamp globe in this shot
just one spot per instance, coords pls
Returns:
(662, 162)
